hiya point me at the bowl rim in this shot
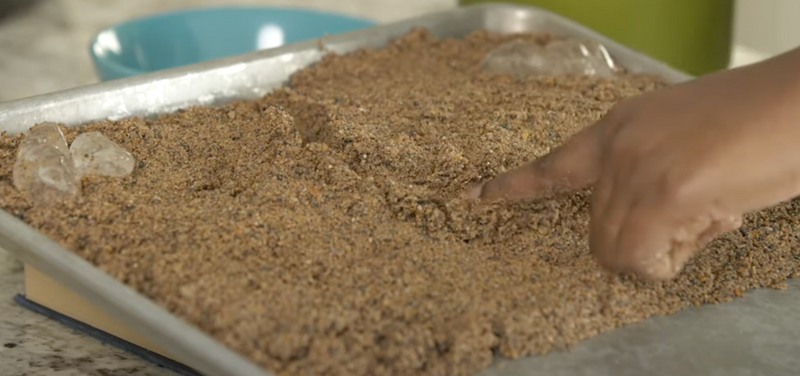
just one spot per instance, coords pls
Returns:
(129, 71)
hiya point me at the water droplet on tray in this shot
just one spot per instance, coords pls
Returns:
(565, 57)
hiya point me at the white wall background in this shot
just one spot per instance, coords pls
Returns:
(764, 28)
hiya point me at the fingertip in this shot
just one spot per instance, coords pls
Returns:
(661, 267)
(473, 193)
(652, 254)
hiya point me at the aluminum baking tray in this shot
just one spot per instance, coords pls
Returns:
(757, 334)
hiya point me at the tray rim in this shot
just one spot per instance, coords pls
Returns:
(8, 109)
(198, 349)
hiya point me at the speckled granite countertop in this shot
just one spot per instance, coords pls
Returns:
(43, 48)
(33, 345)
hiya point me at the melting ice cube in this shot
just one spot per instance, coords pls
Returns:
(95, 154)
(44, 133)
(44, 169)
(565, 57)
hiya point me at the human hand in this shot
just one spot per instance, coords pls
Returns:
(675, 168)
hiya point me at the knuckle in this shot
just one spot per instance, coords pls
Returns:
(673, 187)
(621, 150)
(622, 111)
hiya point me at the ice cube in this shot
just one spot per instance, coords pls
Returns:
(44, 133)
(564, 57)
(44, 169)
(46, 174)
(95, 154)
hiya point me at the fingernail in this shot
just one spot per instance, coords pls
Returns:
(473, 193)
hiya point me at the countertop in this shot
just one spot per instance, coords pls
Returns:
(43, 49)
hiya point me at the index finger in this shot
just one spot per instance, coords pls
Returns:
(571, 166)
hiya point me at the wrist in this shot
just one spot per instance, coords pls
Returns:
(777, 77)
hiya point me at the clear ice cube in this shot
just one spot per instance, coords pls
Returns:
(44, 133)
(46, 174)
(95, 154)
(564, 57)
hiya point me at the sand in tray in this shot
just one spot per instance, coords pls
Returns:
(342, 248)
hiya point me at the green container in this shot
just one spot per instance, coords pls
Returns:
(691, 35)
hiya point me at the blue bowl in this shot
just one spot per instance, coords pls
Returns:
(190, 36)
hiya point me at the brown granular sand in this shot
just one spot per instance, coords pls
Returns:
(342, 249)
